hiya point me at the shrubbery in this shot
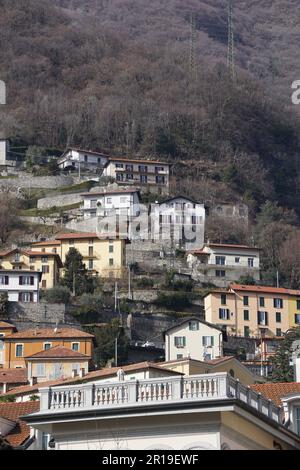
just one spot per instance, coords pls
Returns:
(57, 295)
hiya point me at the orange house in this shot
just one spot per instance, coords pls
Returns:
(24, 344)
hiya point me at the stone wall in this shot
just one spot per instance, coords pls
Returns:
(47, 182)
(41, 315)
(58, 201)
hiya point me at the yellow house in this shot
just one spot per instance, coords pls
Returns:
(229, 364)
(48, 264)
(55, 363)
(24, 344)
(102, 255)
(254, 311)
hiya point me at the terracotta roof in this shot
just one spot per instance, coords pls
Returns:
(229, 245)
(187, 320)
(83, 151)
(75, 236)
(12, 411)
(7, 252)
(40, 253)
(266, 289)
(48, 242)
(113, 191)
(95, 375)
(57, 352)
(135, 160)
(276, 391)
(13, 376)
(49, 333)
(4, 324)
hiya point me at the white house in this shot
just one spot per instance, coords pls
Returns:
(79, 159)
(193, 338)
(222, 264)
(101, 204)
(198, 412)
(149, 175)
(180, 219)
(20, 285)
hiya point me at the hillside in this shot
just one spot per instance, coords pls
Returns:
(115, 75)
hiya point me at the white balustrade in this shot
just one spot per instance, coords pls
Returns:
(165, 389)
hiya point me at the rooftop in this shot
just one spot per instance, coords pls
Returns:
(49, 333)
(12, 411)
(112, 191)
(4, 325)
(277, 390)
(47, 243)
(13, 376)
(264, 289)
(135, 160)
(231, 246)
(57, 352)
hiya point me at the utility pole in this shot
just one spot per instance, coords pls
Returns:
(116, 296)
(129, 282)
(230, 54)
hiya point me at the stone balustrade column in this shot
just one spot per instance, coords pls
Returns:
(45, 398)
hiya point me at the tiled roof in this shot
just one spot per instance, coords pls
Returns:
(12, 376)
(12, 411)
(49, 333)
(40, 253)
(83, 151)
(57, 352)
(68, 236)
(112, 191)
(276, 391)
(97, 374)
(4, 324)
(46, 243)
(266, 289)
(130, 160)
(226, 245)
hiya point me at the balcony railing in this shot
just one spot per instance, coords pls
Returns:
(205, 387)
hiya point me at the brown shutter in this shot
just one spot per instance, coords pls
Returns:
(6, 280)
(20, 280)
(20, 296)
(31, 280)
(31, 296)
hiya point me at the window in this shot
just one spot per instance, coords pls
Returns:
(4, 280)
(159, 168)
(246, 300)
(129, 167)
(237, 260)
(278, 331)
(278, 303)
(261, 301)
(220, 273)
(19, 350)
(123, 199)
(246, 331)
(298, 304)
(246, 315)
(160, 179)
(91, 241)
(99, 160)
(91, 264)
(262, 318)
(223, 299)
(119, 165)
(180, 341)
(278, 317)
(26, 280)
(193, 325)
(26, 297)
(44, 259)
(75, 347)
(297, 420)
(108, 200)
(129, 176)
(220, 260)
(17, 257)
(207, 341)
(76, 368)
(32, 260)
(297, 318)
(40, 370)
(179, 356)
(91, 251)
(111, 248)
(120, 177)
(143, 168)
(111, 261)
(250, 262)
(143, 179)
(224, 313)
(85, 158)
(45, 269)
(47, 346)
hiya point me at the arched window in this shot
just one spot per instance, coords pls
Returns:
(231, 372)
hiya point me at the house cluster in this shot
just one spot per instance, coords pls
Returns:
(60, 401)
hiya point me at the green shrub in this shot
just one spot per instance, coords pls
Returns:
(8, 399)
(57, 295)
(175, 301)
(186, 286)
(145, 282)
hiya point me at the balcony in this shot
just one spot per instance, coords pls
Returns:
(199, 388)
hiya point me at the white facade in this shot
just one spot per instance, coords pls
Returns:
(180, 219)
(84, 159)
(101, 204)
(3, 152)
(199, 412)
(222, 264)
(20, 285)
(195, 339)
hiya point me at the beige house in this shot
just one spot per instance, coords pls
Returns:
(103, 255)
(193, 338)
(153, 176)
(57, 362)
(250, 310)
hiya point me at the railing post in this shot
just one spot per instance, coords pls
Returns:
(89, 395)
(248, 395)
(270, 408)
(222, 386)
(45, 398)
(177, 388)
(133, 391)
(237, 389)
(259, 402)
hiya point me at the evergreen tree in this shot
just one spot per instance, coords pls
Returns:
(76, 277)
(282, 370)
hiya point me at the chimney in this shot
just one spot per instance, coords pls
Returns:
(74, 373)
(33, 381)
(82, 372)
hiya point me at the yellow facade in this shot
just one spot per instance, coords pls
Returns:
(294, 311)
(47, 263)
(54, 369)
(241, 306)
(32, 346)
